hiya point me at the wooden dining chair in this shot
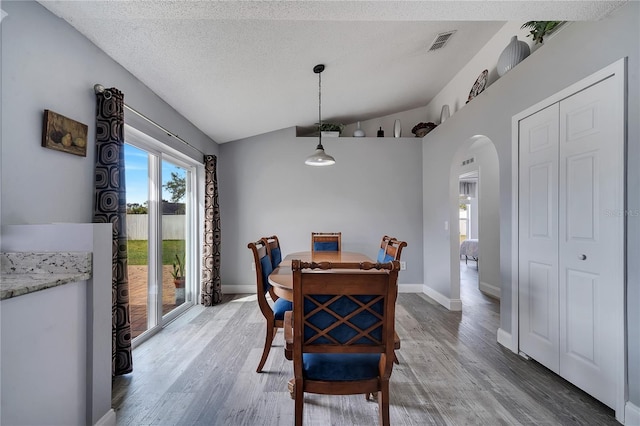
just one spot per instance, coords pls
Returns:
(326, 241)
(342, 329)
(393, 250)
(274, 316)
(383, 248)
(273, 250)
(275, 254)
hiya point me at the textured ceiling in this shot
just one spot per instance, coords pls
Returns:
(240, 68)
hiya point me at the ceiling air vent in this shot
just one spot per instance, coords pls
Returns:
(441, 40)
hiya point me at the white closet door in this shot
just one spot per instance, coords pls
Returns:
(538, 236)
(590, 243)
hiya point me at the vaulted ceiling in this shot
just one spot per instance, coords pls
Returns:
(240, 68)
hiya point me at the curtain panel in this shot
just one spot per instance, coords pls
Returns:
(211, 285)
(110, 207)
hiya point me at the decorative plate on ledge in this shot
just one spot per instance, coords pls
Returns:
(479, 85)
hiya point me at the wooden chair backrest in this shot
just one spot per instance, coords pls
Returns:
(325, 237)
(383, 247)
(394, 249)
(273, 249)
(263, 266)
(344, 308)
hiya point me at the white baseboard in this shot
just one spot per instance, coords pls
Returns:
(239, 289)
(410, 288)
(491, 290)
(505, 339)
(450, 304)
(109, 419)
(631, 414)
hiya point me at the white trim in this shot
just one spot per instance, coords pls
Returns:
(504, 338)
(450, 304)
(144, 141)
(158, 153)
(631, 414)
(490, 289)
(617, 70)
(238, 289)
(410, 288)
(109, 419)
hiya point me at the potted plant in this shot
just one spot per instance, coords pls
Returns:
(538, 29)
(178, 272)
(330, 129)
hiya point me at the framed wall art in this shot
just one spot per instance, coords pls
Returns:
(64, 134)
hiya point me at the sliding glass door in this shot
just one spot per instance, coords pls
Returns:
(160, 232)
(174, 236)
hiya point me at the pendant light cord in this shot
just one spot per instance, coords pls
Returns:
(320, 109)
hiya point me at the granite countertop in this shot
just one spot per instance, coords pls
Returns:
(23, 273)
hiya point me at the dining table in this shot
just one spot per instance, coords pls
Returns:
(282, 276)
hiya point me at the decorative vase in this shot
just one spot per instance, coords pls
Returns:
(381, 133)
(444, 114)
(397, 130)
(358, 132)
(512, 55)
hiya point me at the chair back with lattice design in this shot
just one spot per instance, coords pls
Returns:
(346, 308)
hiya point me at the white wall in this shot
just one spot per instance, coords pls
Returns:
(56, 343)
(46, 64)
(484, 213)
(40, 385)
(473, 202)
(577, 51)
(489, 219)
(456, 92)
(375, 188)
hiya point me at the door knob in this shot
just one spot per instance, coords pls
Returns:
(582, 257)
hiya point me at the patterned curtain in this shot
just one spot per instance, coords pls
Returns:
(211, 286)
(110, 207)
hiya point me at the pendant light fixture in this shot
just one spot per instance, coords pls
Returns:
(319, 157)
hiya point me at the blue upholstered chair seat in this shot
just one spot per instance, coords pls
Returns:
(340, 367)
(280, 307)
(325, 246)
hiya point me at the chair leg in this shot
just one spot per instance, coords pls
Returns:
(395, 358)
(383, 403)
(267, 347)
(299, 397)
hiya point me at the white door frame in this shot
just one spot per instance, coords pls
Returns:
(617, 71)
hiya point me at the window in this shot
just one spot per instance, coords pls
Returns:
(161, 222)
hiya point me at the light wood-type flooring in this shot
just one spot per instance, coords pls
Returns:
(200, 370)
